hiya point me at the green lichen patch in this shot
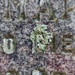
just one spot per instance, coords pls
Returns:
(40, 38)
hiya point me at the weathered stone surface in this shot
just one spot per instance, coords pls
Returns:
(23, 59)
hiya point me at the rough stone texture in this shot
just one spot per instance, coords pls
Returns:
(22, 59)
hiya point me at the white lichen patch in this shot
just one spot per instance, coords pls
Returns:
(8, 48)
(36, 72)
